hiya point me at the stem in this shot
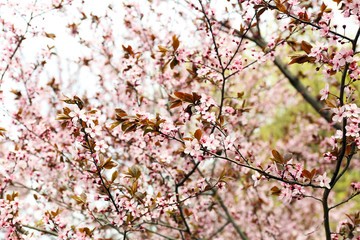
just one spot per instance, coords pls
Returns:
(336, 175)
(178, 197)
(37, 229)
(223, 206)
(86, 136)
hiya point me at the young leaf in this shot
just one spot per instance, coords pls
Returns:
(78, 199)
(175, 104)
(306, 174)
(114, 176)
(306, 47)
(198, 134)
(275, 191)
(278, 157)
(175, 43)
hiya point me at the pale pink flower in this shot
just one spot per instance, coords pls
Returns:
(101, 146)
(324, 92)
(207, 100)
(293, 2)
(256, 177)
(201, 108)
(352, 130)
(77, 114)
(93, 131)
(329, 157)
(286, 195)
(352, 110)
(229, 142)
(191, 147)
(209, 116)
(324, 181)
(339, 114)
(338, 135)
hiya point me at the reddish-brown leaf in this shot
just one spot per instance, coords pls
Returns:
(173, 63)
(301, 59)
(312, 174)
(306, 47)
(278, 157)
(323, 7)
(179, 95)
(110, 165)
(175, 43)
(131, 128)
(198, 134)
(275, 191)
(306, 174)
(175, 104)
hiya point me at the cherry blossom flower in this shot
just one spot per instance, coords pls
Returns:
(257, 177)
(342, 57)
(229, 142)
(207, 100)
(352, 130)
(89, 118)
(293, 2)
(356, 186)
(329, 157)
(93, 131)
(191, 147)
(229, 110)
(316, 51)
(324, 181)
(339, 114)
(209, 116)
(286, 195)
(201, 108)
(338, 135)
(101, 146)
(352, 110)
(77, 114)
(324, 92)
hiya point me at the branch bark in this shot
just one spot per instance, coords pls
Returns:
(294, 80)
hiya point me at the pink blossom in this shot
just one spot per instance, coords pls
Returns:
(256, 177)
(352, 130)
(77, 114)
(356, 186)
(210, 142)
(352, 110)
(329, 157)
(229, 142)
(339, 114)
(324, 92)
(324, 181)
(101, 146)
(93, 131)
(191, 147)
(209, 116)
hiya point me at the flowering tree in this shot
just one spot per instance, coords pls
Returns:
(180, 119)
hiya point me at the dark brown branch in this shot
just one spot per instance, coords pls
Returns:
(294, 80)
(335, 176)
(308, 23)
(224, 207)
(345, 201)
(178, 197)
(300, 88)
(21, 230)
(219, 230)
(86, 137)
